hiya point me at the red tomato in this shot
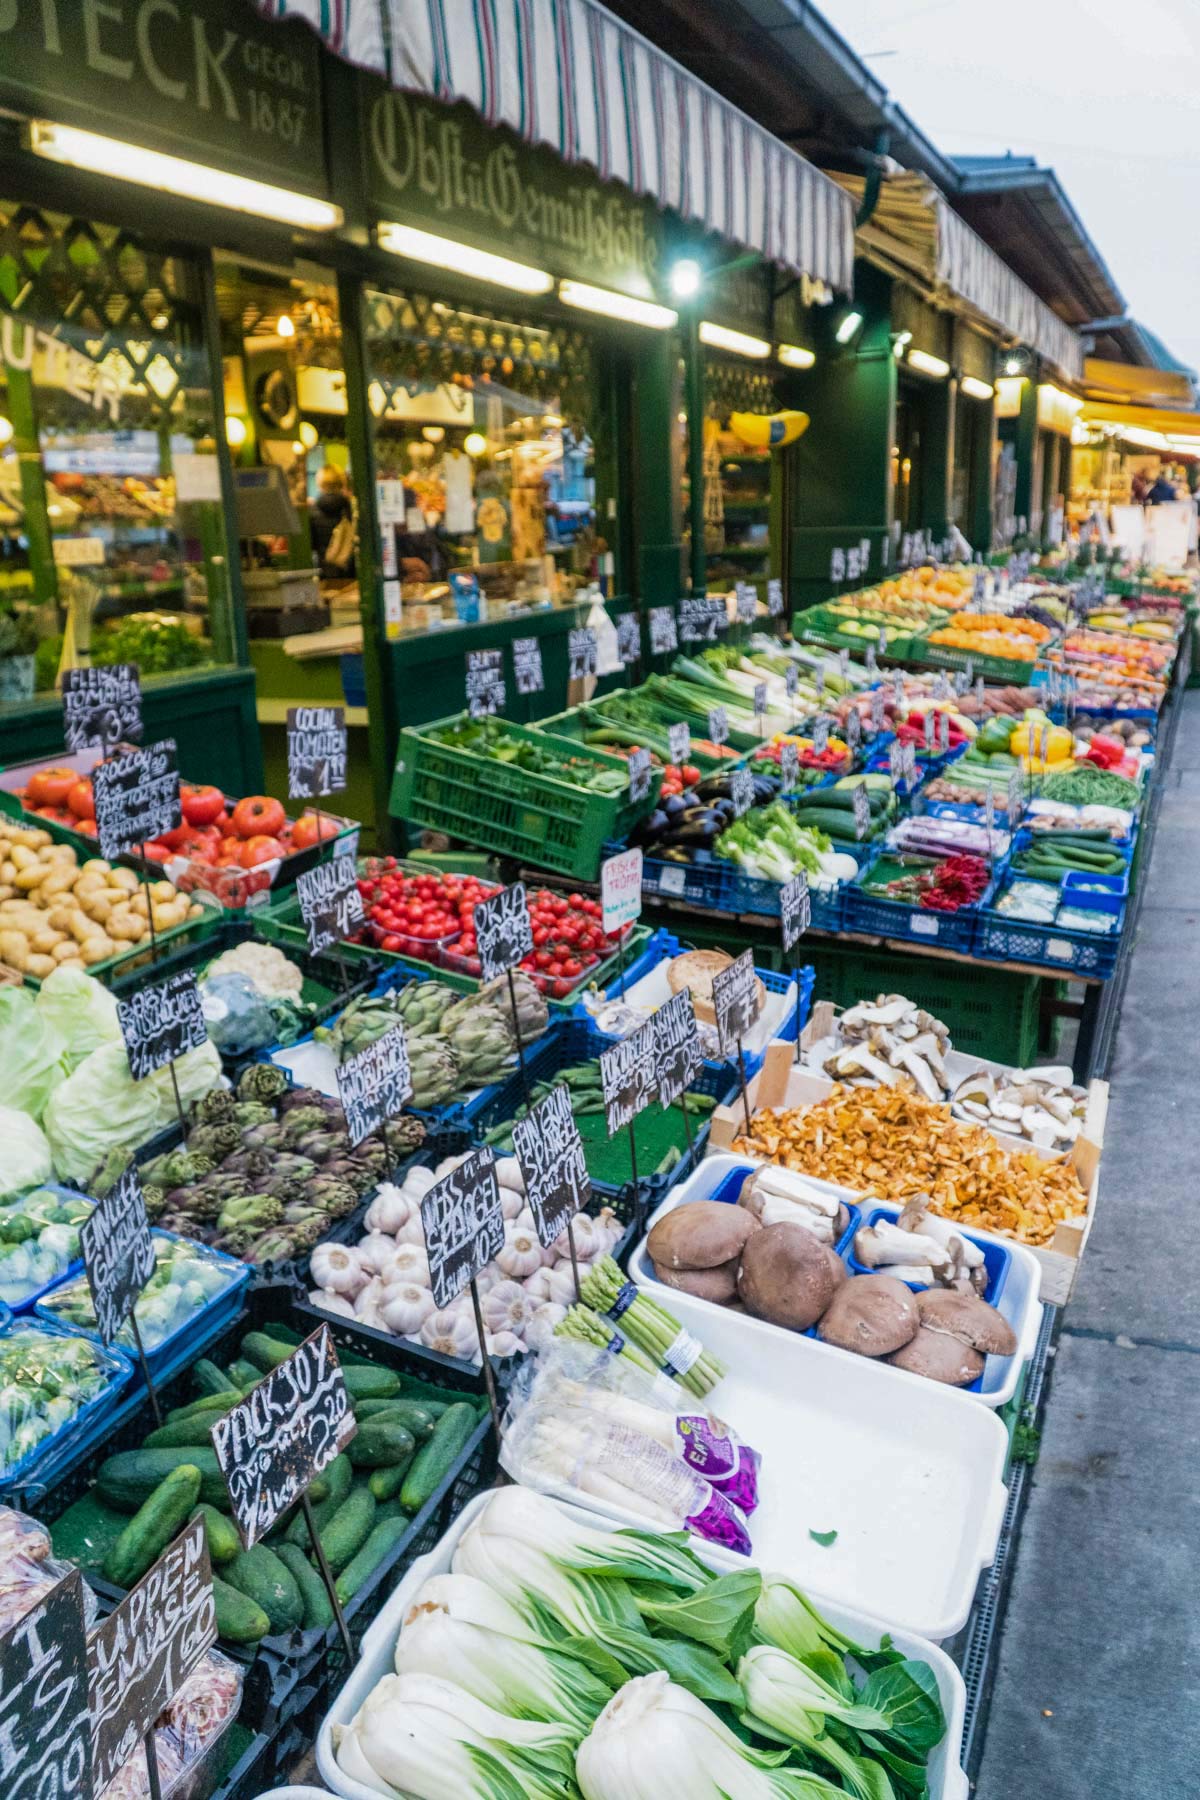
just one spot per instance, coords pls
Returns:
(258, 815)
(201, 805)
(260, 849)
(391, 943)
(50, 787)
(79, 799)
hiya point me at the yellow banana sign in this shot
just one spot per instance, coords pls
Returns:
(769, 430)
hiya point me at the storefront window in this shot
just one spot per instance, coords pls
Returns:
(737, 474)
(483, 446)
(112, 545)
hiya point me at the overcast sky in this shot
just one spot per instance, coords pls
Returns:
(1108, 95)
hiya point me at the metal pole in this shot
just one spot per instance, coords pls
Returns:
(137, 1338)
(489, 1378)
(512, 995)
(327, 1575)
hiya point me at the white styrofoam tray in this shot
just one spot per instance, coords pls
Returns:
(946, 1778)
(1019, 1302)
(654, 990)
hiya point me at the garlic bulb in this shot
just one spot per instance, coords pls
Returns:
(405, 1308)
(540, 1328)
(408, 1262)
(325, 1300)
(562, 1284)
(451, 1333)
(412, 1231)
(537, 1285)
(375, 1249)
(418, 1182)
(507, 1308)
(338, 1268)
(368, 1299)
(521, 1254)
(503, 1343)
(508, 1174)
(512, 1205)
(587, 1242)
(388, 1210)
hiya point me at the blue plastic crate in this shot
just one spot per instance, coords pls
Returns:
(89, 1425)
(874, 916)
(970, 815)
(715, 885)
(193, 1337)
(1054, 947)
(730, 1188)
(1024, 838)
(1097, 893)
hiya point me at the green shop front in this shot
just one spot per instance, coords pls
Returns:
(315, 387)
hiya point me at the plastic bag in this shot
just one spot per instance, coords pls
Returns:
(238, 1016)
(28, 1570)
(203, 1707)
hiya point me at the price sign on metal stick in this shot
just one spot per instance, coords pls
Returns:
(679, 743)
(862, 811)
(627, 1078)
(718, 725)
(141, 1655)
(629, 639)
(136, 797)
(464, 1231)
(161, 1022)
(273, 1444)
(677, 1055)
(789, 766)
(664, 640)
(621, 900)
(373, 1085)
(736, 1002)
(102, 706)
(774, 598)
(118, 1257)
(330, 903)
(741, 791)
(547, 1144)
(795, 916)
(639, 774)
(503, 938)
(45, 1729)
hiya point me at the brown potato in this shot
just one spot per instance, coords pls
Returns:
(41, 966)
(14, 949)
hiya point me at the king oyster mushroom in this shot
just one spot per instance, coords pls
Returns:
(877, 1246)
(888, 1009)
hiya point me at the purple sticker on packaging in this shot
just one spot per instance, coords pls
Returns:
(725, 1463)
(721, 1523)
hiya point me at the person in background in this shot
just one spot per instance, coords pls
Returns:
(331, 525)
(1162, 491)
(1139, 489)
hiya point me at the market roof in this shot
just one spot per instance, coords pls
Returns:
(570, 74)
(1023, 211)
(913, 229)
(1126, 341)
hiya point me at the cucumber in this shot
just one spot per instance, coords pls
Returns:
(266, 1353)
(338, 1477)
(380, 1443)
(152, 1527)
(244, 1374)
(211, 1380)
(212, 1405)
(383, 1536)
(262, 1577)
(223, 1540)
(346, 1533)
(434, 1459)
(128, 1479)
(364, 1381)
(419, 1415)
(317, 1611)
(385, 1484)
(196, 1430)
(388, 1509)
(239, 1619)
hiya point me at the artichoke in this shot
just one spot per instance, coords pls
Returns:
(304, 1096)
(249, 1162)
(241, 1221)
(335, 1198)
(261, 1081)
(218, 1141)
(434, 1073)
(301, 1119)
(252, 1112)
(201, 1164)
(155, 1198)
(272, 1246)
(268, 1136)
(215, 1105)
(305, 1236)
(533, 1014)
(483, 1045)
(422, 1006)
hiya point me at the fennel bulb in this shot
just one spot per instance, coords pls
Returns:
(429, 1740)
(655, 1741)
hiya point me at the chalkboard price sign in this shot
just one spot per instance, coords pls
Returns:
(878, 709)
(581, 652)
(485, 682)
(503, 932)
(747, 603)
(700, 620)
(161, 1022)
(639, 774)
(795, 910)
(527, 666)
(735, 1001)
(789, 767)
(741, 791)
(136, 796)
(629, 639)
(374, 1083)
(330, 903)
(791, 680)
(676, 1047)
(852, 730)
(627, 1077)
(774, 598)
(862, 812)
(117, 1251)
(464, 1225)
(663, 636)
(820, 735)
(679, 742)
(760, 701)
(142, 1654)
(547, 1144)
(316, 751)
(277, 1440)
(718, 725)
(45, 1730)
(102, 706)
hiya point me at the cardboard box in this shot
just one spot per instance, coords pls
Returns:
(783, 1085)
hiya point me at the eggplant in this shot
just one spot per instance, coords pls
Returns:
(649, 830)
(674, 804)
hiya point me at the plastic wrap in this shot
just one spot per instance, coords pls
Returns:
(609, 1430)
(184, 1734)
(28, 1569)
(187, 1278)
(49, 1380)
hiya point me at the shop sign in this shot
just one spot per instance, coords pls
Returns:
(444, 169)
(200, 79)
(57, 364)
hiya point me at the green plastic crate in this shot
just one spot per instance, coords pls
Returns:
(988, 1012)
(545, 822)
(575, 722)
(992, 668)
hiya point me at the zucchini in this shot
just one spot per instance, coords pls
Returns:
(385, 1484)
(239, 1619)
(128, 1479)
(380, 1443)
(259, 1574)
(223, 1540)
(152, 1527)
(434, 1459)
(317, 1611)
(211, 1380)
(265, 1353)
(338, 1477)
(366, 1381)
(347, 1531)
(383, 1537)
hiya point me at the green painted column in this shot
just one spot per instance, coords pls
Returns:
(23, 419)
(978, 527)
(693, 361)
(655, 499)
(222, 554)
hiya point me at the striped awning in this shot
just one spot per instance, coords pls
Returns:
(915, 231)
(568, 74)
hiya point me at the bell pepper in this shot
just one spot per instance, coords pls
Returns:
(1106, 752)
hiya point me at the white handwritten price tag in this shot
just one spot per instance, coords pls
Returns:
(621, 890)
(679, 742)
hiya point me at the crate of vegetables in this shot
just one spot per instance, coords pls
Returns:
(549, 801)
(39, 1243)
(58, 1392)
(924, 899)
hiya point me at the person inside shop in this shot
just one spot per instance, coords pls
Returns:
(331, 525)
(1163, 490)
(1139, 489)
(419, 552)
